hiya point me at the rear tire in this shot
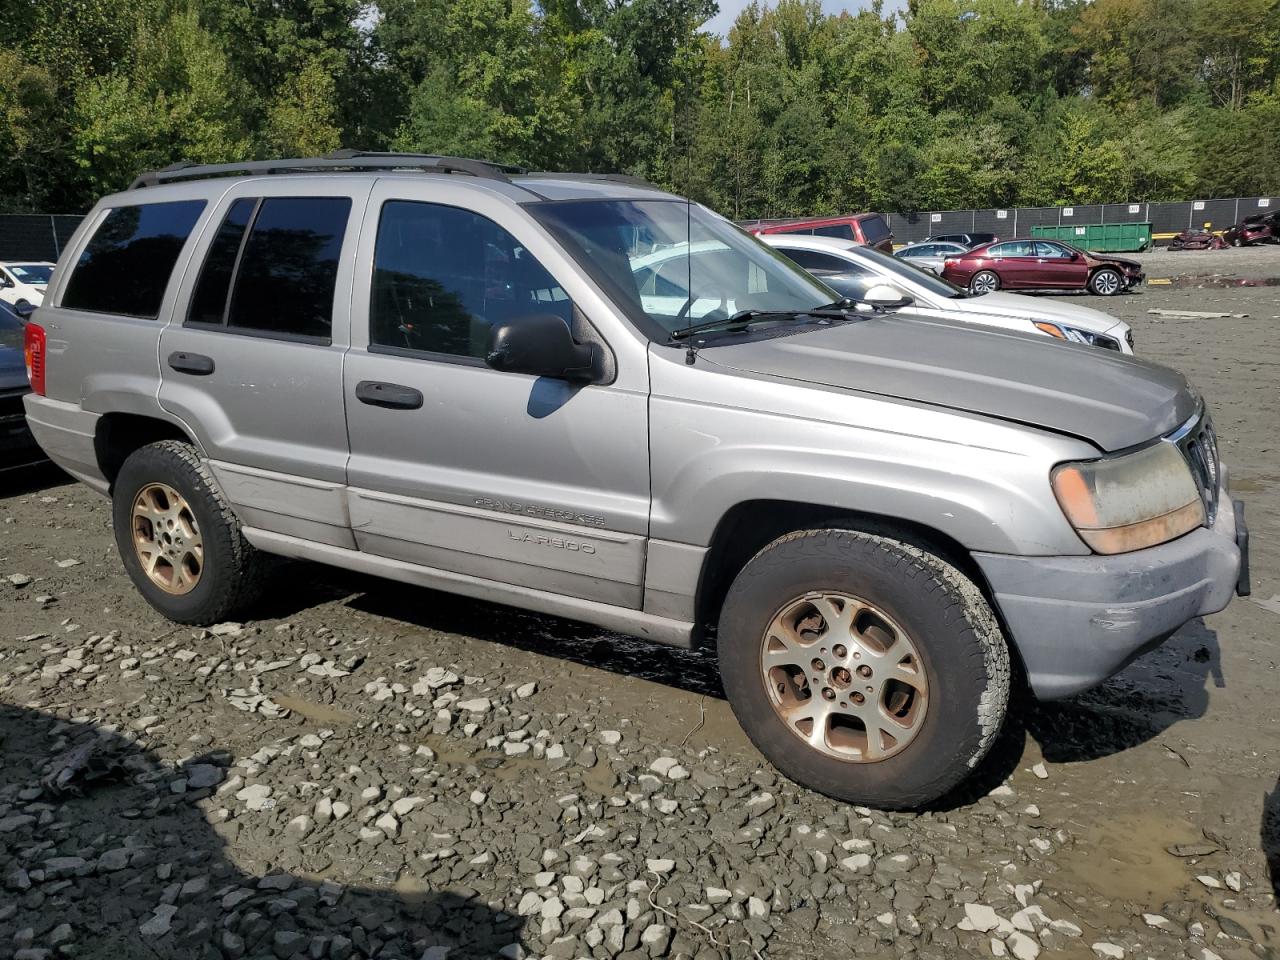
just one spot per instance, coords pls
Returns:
(913, 616)
(180, 542)
(1106, 283)
(983, 282)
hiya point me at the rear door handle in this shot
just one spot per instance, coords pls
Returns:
(391, 395)
(193, 363)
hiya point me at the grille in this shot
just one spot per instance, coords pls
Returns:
(1199, 445)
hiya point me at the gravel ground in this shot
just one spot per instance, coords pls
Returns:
(372, 770)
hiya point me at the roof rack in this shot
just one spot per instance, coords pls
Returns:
(607, 177)
(337, 161)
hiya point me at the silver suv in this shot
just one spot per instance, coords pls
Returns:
(480, 380)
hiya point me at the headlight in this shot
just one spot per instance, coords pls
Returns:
(1129, 502)
(1076, 335)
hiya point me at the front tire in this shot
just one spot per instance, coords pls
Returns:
(178, 538)
(863, 667)
(1106, 283)
(984, 282)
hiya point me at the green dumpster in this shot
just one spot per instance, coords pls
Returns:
(1102, 237)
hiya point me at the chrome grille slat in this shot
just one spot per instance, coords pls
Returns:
(1199, 446)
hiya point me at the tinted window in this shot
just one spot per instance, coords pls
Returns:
(842, 230)
(874, 229)
(443, 276)
(924, 250)
(813, 260)
(289, 267)
(126, 265)
(209, 302)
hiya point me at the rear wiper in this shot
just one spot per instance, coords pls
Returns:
(745, 318)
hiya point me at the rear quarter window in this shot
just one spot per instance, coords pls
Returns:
(842, 231)
(126, 265)
(874, 229)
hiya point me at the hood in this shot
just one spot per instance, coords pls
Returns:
(1036, 308)
(1108, 398)
(1119, 261)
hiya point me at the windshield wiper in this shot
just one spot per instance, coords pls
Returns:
(743, 319)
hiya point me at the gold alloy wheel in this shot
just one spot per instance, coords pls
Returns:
(844, 677)
(166, 539)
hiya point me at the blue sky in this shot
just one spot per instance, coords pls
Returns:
(729, 10)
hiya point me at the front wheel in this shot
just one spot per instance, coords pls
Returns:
(984, 282)
(1106, 283)
(179, 540)
(863, 667)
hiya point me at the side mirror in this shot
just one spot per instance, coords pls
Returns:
(24, 310)
(543, 346)
(5, 282)
(1074, 255)
(886, 297)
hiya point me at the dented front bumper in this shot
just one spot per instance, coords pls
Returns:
(1077, 620)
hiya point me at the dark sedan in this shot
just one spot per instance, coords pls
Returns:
(1041, 265)
(17, 446)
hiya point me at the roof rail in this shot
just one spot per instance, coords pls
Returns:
(337, 161)
(608, 177)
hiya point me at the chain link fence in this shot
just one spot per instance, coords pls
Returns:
(1166, 219)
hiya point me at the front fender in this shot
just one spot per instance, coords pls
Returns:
(981, 482)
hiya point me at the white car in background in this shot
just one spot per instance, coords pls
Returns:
(24, 281)
(851, 270)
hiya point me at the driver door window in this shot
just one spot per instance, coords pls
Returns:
(442, 277)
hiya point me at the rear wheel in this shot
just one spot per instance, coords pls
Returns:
(863, 667)
(1106, 282)
(179, 540)
(983, 282)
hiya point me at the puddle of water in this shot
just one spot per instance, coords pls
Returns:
(315, 712)
(1125, 858)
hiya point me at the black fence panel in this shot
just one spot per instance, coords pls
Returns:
(35, 236)
(1165, 218)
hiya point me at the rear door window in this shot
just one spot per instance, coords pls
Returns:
(272, 268)
(126, 265)
(813, 260)
(842, 231)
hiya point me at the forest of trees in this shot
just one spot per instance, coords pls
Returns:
(939, 104)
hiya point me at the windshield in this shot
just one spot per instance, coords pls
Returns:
(639, 252)
(34, 273)
(908, 271)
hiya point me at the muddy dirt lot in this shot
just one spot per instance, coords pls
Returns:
(368, 769)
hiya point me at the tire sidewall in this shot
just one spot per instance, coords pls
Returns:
(158, 463)
(945, 641)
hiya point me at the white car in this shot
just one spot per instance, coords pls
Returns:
(931, 254)
(850, 269)
(24, 281)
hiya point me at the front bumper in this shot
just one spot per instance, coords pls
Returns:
(1077, 620)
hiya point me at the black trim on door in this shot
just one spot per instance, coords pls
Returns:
(394, 396)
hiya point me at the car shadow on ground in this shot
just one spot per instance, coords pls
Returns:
(123, 863)
(1162, 687)
(1270, 842)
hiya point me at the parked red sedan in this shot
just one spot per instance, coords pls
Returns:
(1041, 265)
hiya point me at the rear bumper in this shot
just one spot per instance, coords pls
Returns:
(1077, 620)
(66, 433)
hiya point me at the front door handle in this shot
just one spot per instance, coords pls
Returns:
(194, 363)
(391, 395)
